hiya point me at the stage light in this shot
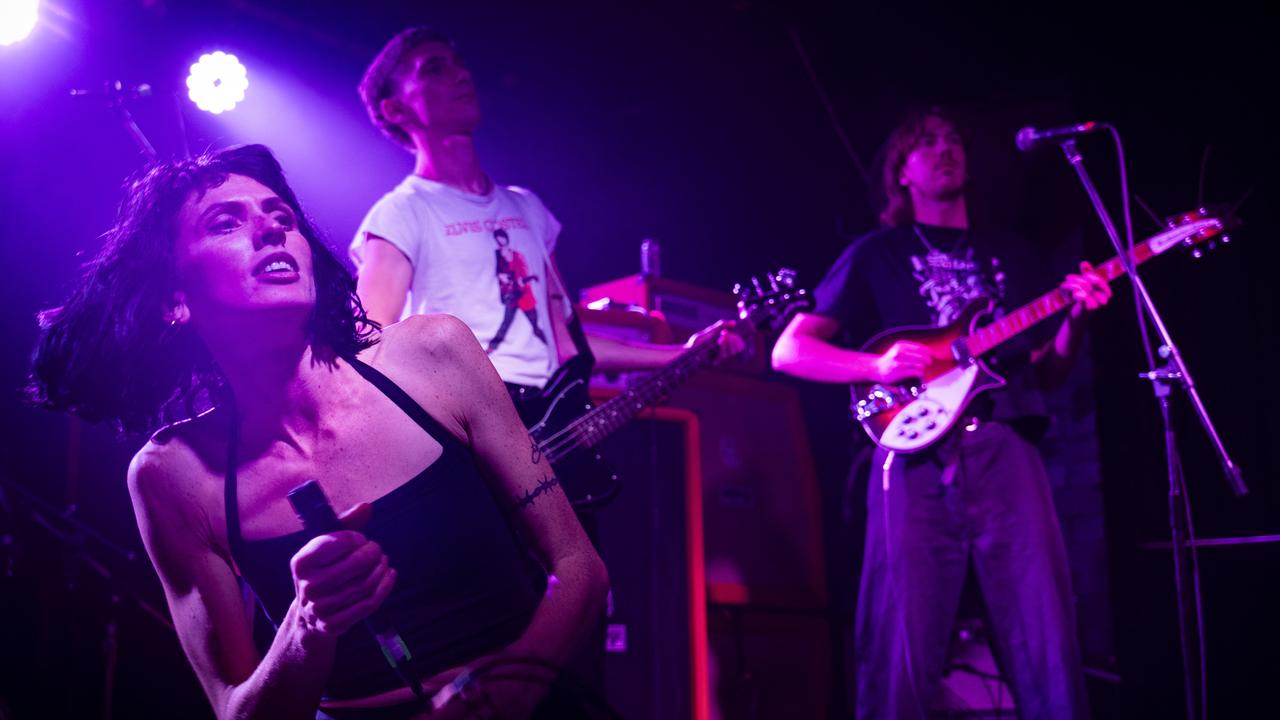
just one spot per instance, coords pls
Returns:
(17, 19)
(217, 82)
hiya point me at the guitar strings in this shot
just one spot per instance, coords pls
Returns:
(568, 437)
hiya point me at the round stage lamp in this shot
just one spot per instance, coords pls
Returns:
(217, 82)
(17, 20)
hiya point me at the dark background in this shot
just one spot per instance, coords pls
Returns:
(696, 125)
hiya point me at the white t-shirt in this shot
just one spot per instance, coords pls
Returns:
(481, 258)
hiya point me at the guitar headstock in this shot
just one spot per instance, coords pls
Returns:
(1197, 230)
(772, 302)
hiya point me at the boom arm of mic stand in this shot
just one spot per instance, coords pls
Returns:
(136, 133)
(117, 96)
(1234, 476)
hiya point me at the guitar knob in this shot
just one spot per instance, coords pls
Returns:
(913, 435)
(923, 412)
(908, 420)
(931, 425)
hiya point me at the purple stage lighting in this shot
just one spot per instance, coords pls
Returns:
(217, 82)
(17, 19)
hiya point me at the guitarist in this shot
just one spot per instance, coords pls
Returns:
(979, 495)
(428, 246)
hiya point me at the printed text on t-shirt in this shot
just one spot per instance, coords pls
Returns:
(484, 226)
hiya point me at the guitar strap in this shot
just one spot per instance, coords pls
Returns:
(574, 326)
(573, 323)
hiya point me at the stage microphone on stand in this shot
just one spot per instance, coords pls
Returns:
(117, 95)
(1029, 138)
(317, 516)
(114, 91)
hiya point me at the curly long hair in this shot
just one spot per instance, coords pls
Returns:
(107, 354)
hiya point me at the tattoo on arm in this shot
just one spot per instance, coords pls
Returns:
(546, 485)
(535, 451)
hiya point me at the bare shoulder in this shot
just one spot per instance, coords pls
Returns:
(439, 362)
(171, 473)
(176, 484)
(440, 341)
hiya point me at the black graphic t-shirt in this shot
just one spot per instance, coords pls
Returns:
(951, 279)
(925, 275)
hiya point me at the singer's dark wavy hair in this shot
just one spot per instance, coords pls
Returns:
(904, 138)
(107, 354)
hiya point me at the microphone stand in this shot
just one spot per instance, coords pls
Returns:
(75, 536)
(117, 97)
(120, 103)
(1162, 379)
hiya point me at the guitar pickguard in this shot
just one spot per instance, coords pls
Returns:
(934, 410)
(544, 427)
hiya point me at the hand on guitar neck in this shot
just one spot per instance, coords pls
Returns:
(1088, 289)
(730, 342)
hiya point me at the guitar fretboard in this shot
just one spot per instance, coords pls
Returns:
(1051, 303)
(620, 409)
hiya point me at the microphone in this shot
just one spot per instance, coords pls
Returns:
(114, 90)
(1028, 137)
(317, 516)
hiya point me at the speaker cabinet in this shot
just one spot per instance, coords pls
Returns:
(720, 505)
(769, 625)
(651, 541)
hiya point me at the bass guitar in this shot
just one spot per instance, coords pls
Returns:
(565, 426)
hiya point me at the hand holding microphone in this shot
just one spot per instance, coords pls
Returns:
(342, 578)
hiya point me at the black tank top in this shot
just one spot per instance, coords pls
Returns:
(465, 586)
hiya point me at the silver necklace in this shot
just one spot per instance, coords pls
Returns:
(920, 234)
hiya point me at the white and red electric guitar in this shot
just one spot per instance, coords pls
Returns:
(910, 417)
